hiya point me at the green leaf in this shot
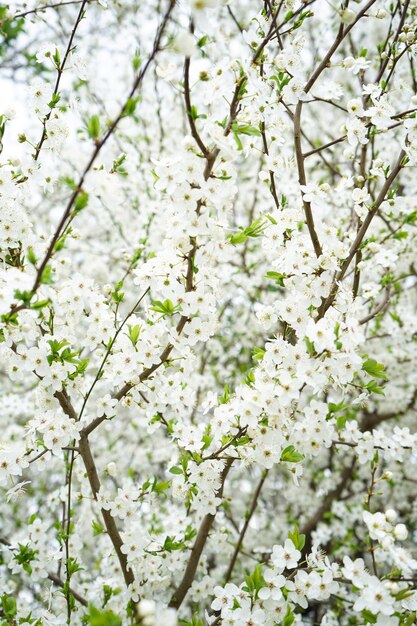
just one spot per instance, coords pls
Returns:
(97, 528)
(161, 486)
(40, 304)
(54, 100)
(117, 294)
(277, 277)
(410, 218)
(56, 57)
(93, 127)
(24, 296)
(289, 618)
(136, 61)
(290, 455)
(250, 378)
(373, 387)
(254, 230)
(335, 408)
(375, 369)
(194, 622)
(297, 539)
(404, 593)
(166, 307)
(225, 398)
(25, 556)
(245, 129)
(102, 618)
(130, 106)
(80, 202)
(258, 354)
(170, 545)
(73, 566)
(31, 256)
(193, 113)
(402, 234)
(310, 346)
(8, 604)
(238, 238)
(368, 616)
(255, 581)
(134, 332)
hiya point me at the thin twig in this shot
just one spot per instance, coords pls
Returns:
(245, 526)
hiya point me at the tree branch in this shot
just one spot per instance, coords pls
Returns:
(202, 536)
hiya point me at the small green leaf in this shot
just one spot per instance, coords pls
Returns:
(166, 307)
(93, 127)
(277, 277)
(290, 455)
(368, 616)
(225, 398)
(289, 618)
(373, 368)
(258, 354)
(97, 528)
(130, 106)
(297, 539)
(80, 202)
(254, 230)
(373, 387)
(134, 332)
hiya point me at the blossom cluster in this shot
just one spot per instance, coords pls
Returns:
(207, 313)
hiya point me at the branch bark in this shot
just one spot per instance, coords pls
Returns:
(198, 547)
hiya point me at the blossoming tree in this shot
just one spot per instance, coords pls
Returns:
(208, 244)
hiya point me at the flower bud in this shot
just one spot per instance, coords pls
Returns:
(347, 16)
(390, 515)
(400, 532)
(111, 468)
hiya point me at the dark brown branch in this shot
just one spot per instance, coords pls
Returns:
(325, 146)
(302, 179)
(198, 547)
(380, 307)
(232, 15)
(92, 475)
(189, 110)
(361, 233)
(110, 524)
(341, 34)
